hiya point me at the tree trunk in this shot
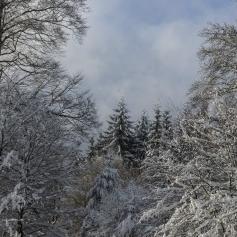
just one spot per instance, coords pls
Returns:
(1, 32)
(1, 23)
(20, 232)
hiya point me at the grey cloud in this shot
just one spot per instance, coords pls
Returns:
(145, 63)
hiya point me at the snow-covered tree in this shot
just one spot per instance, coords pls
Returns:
(159, 175)
(119, 135)
(116, 212)
(209, 176)
(153, 147)
(215, 216)
(30, 174)
(91, 153)
(38, 123)
(155, 134)
(167, 130)
(104, 183)
(100, 145)
(141, 138)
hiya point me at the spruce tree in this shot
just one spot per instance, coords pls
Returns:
(141, 138)
(104, 184)
(100, 144)
(167, 130)
(91, 149)
(151, 160)
(155, 134)
(119, 135)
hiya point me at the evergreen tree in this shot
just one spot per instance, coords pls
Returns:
(113, 205)
(104, 184)
(141, 138)
(167, 130)
(100, 144)
(119, 135)
(91, 149)
(155, 134)
(153, 152)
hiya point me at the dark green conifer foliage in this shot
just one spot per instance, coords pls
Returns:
(119, 135)
(167, 130)
(155, 135)
(91, 149)
(100, 144)
(141, 138)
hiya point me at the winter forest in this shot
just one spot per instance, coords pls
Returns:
(63, 174)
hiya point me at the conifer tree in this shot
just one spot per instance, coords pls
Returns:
(91, 149)
(104, 184)
(155, 134)
(167, 130)
(141, 138)
(119, 135)
(100, 144)
(154, 165)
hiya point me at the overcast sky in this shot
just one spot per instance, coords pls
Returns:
(143, 50)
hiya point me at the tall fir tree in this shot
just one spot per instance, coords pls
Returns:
(119, 135)
(152, 164)
(91, 149)
(167, 130)
(155, 134)
(141, 138)
(100, 144)
(105, 185)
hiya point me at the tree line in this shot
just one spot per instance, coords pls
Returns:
(130, 141)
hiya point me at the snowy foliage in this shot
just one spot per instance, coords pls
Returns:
(37, 152)
(154, 136)
(159, 156)
(167, 131)
(141, 138)
(104, 184)
(119, 135)
(209, 217)
(115, 206)
(208, 177)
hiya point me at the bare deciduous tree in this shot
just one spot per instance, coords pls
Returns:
(30, 30)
